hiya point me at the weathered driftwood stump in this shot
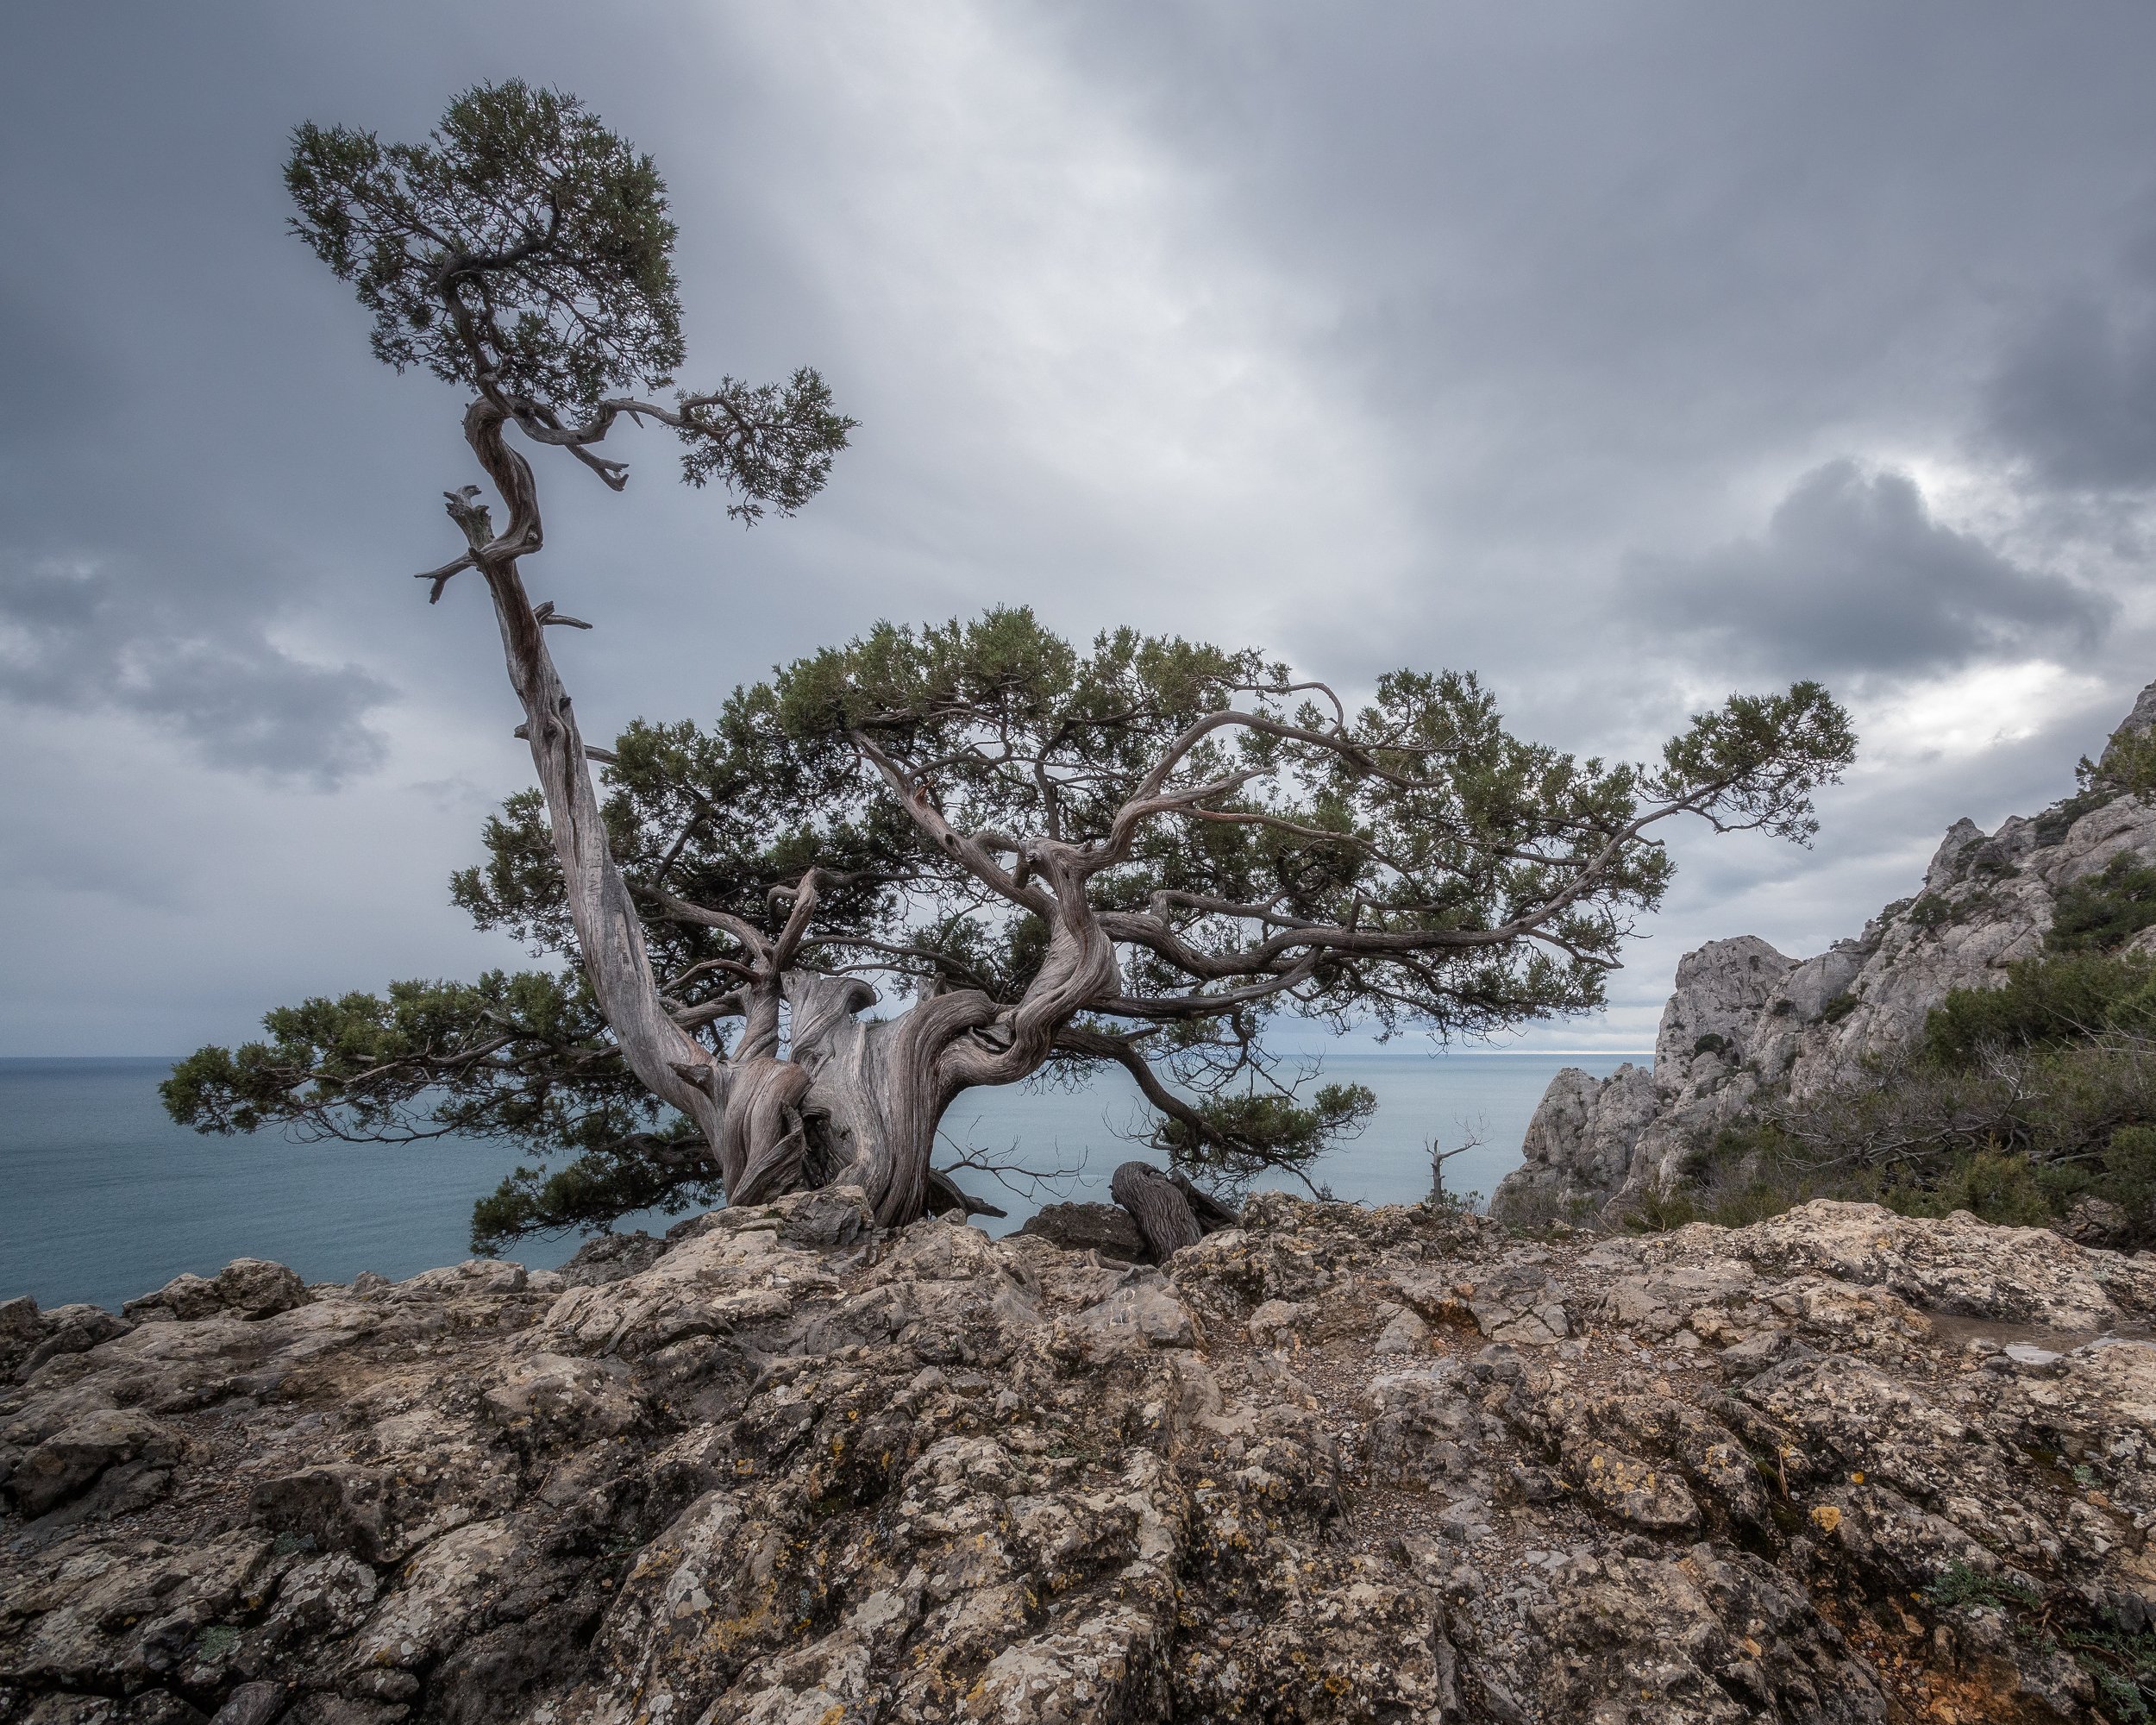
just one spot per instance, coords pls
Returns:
(1169, 1211)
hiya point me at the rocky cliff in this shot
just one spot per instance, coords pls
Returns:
(1332, 1464)
(1746, 1018)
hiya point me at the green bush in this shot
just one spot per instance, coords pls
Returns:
(2129, 1169)
(2021, 1101)
(2101, 913)
(2128, 765)
(2047, 1002)
(1958, 1584)
(1998, 1186)
(1930, 911)
(1654, 1212)
(2056, 821)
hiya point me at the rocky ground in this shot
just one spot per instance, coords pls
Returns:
(1335, 1464)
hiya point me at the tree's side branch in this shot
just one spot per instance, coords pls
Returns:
(1203, 1005)
(966, 849)
(679, 909)
(1125, 1051)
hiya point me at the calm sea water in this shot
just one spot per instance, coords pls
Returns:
(102, 1198)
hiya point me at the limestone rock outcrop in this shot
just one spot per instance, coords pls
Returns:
(1334, 1464)
(1744, 1016)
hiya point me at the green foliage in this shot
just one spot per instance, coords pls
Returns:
(2122, 1665)
(2102, 911)
(1655, 1212)
(1431, 819)
(1436, 821)
(525, 1058)
(772, 443)
(2023, 1101)
(2127, 767)
(1998, 1186)
(216, 1641)
(636, 1174)
(2057, 820)
(1931, 911)
(524, 252)
(346, 1060)
(1250, 1133)
(1764, 756)
(1957, 1585)
(522, 241)
(2129, 1174)
(2045, 1003)
(2121, 1662)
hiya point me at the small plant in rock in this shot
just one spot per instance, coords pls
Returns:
(1959, 1585)
(2122, 1664)
(1931, 911)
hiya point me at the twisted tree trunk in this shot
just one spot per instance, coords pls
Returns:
(854, 1100)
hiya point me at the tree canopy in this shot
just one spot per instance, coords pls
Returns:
(524, 252)
(1251, 848)
(932, 859)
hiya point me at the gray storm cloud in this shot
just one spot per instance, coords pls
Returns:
(2074, 394)
(89, 639)
(1374, 335)
(1853, 574)
(136, 578)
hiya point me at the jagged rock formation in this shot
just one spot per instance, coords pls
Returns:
(1745, 1016)
(1335, 1464)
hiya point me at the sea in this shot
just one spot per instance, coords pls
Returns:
(103, 1198)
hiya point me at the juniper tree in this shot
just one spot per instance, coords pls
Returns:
(933, 858)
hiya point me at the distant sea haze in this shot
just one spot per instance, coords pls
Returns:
(107, 1199)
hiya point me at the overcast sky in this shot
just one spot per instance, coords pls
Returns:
(1627, 354)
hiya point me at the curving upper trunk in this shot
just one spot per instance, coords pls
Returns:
(665, 1059)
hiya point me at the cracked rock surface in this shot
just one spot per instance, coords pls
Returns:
(1337, 1464)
